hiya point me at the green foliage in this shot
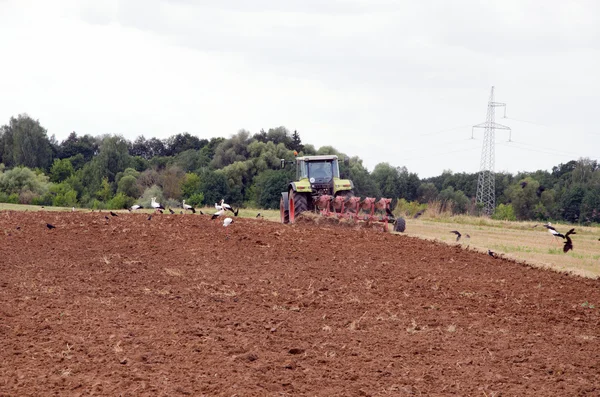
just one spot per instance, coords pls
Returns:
(120, 201)
(408, 208)
(105, 193)
(171, 181)
(268, 186)
(504, 212)
(190, 185)
(128, 186)
(214, 187)
(453, 200)
(24, 143)
(20, 179)
(195, 200)
(63, 195)
(61, 170)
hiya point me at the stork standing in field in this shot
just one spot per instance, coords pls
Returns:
(227, 207)
(156, 205)
(188, 207)
(227, 222)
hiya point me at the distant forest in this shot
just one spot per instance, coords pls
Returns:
(110, 171)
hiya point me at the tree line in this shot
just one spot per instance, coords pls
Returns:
(110, 171)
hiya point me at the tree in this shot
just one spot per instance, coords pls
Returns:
(426, 192)
(61, 170)
(268, 186)
(24, 142)
(214, 186)
(87, 146)
(22, 179)
(182, 142)
(171, 180)
(190, 185)
(128, 186)
(296, 143)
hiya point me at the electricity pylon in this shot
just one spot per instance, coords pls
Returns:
(486, 183)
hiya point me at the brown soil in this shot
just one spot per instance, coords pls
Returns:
(171, 307)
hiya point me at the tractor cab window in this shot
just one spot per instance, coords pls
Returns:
(301, 170)
(336, 169)
(320, 170)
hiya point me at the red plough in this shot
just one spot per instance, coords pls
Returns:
(368, 210)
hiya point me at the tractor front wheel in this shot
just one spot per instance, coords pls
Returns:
(298, 204)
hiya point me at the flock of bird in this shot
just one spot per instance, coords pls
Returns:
(221, 208)
(568, 243)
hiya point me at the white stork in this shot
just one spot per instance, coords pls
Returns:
(135, 207)
(227, 222)
(553, 231)
(218, 214)
(227, 207)
(156, 205)
(188, 207)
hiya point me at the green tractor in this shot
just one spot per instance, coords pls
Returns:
(319, 188)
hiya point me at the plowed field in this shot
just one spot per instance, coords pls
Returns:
(170, 306)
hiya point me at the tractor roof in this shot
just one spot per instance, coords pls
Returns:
(318, 158)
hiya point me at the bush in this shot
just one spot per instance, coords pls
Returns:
(120, 201)
(195, 200)
(504, 213)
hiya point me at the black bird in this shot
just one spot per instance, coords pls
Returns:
(149, 217)
(50, 226)
(259, 215)
(457, 234)
(181, 212)
(523, 184)
(568, 244)
(236, 212)
(113, 214)
(18, 227)
(106, 217)
(418, 214)
(540, 190)
(171, 211)
(492, 254)
(201, 213)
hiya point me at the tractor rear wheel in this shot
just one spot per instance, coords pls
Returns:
(400, 225)
(298, 204)
(283, 213)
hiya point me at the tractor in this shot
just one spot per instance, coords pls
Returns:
(319, 188)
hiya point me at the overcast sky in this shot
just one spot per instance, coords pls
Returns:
(394, 81)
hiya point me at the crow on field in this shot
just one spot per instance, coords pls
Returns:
(457, 234)
(492, 254)
(50, 226)
(113, 214)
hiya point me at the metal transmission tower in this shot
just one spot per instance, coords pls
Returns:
(486, 183)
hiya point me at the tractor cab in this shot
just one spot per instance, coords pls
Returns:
(318, 169)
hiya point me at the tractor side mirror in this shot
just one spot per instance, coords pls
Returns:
(346, 161)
